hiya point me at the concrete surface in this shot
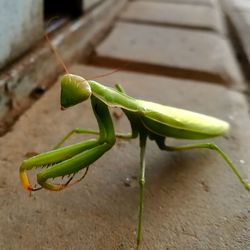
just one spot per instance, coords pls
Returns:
(193, 200)
(21, 25)
(176, 52)
(240, 5)
(90, 3)
(4, 100)
(179, 15)
(246, 16)
(238, 13)
(211, 3)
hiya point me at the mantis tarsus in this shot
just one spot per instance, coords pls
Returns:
(147, 120)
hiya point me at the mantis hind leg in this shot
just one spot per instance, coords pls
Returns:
(212, 146)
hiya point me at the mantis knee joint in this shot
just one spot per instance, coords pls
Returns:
(111, 141)
(212, 146)
(141, 182)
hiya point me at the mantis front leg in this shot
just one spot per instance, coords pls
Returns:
(71, 159)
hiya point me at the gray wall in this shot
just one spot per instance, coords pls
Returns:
(21, 25)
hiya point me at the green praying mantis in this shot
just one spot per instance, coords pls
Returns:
(148, 120)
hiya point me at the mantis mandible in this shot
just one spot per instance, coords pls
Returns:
(148, 120)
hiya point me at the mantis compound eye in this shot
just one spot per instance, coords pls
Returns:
(74, 90)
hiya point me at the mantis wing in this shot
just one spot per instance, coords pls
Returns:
(180, 123)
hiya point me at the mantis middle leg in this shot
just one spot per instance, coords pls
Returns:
(92, 132)
(143, 141)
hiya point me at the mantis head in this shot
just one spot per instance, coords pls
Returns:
(74, 90)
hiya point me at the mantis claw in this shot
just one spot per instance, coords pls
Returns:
(37, 189)
(25, 181)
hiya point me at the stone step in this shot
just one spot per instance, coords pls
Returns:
(193, 200)
(211, 3)
(169, 51)
(238, 13)
(171, 14)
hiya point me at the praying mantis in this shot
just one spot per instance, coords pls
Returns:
(148, 120)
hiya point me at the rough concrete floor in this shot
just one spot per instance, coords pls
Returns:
(193, 200)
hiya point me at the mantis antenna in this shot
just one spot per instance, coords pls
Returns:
(61, 61)
(59, 58)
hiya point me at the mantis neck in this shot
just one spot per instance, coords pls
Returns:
(113, 97)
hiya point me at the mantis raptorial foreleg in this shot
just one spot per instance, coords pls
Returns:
(71, 159)
(211, 146)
